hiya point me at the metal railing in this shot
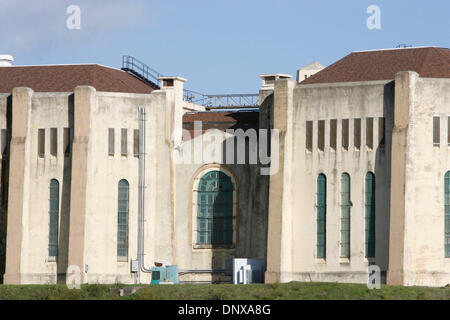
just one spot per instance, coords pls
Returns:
(222, 100)
(141, 70)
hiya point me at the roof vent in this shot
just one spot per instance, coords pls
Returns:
(6, 60)
(269, 79)
(168, 82)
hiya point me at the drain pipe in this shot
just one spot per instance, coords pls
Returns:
(141, 206)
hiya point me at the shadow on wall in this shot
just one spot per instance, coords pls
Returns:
(63, 240)
(266, 122)
(252, 191)
(383, 182)
(4, 182)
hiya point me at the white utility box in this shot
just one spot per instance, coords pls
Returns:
(248, 271)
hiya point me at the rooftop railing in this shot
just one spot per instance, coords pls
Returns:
(219, 101)
(141, 70)
(222, 100)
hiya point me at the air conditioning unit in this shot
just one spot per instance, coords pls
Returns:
(247, 271)
(164, 275)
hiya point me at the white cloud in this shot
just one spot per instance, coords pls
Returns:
(41, 24)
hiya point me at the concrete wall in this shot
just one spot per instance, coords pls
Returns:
(88, 180)
(4, 165)
(104, 172)
(18, 183)
(424, 261)
(47, 111)
(410, 243)
(92, 235)
(250, 225)
(297, 196)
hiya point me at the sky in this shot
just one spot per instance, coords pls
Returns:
(219, 46)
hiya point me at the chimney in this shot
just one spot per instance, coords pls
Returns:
(269, 79)
(309, 70)
(173, 86)
(6, 60)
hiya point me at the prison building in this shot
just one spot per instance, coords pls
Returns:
(103, 167)
(363, 177)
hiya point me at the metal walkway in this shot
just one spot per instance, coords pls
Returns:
(141, 71)
(211, 101)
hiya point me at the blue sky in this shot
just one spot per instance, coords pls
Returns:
(219, 46)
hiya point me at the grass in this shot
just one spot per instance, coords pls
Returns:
(285, 291)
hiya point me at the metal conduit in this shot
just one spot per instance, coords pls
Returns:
(202, 271)
(141, 204)
(141, 201)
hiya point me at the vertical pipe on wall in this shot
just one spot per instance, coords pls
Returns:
(141, 207)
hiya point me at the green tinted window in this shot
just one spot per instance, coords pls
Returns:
(122, 219)
(321, 215)
(54, 218)
(215, 209)
(370, 214)
(345, 216)
(447, 214)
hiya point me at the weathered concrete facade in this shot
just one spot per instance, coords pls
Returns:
(295, 193)
(331, 124)
(409, 170)
(5, 110)
(88, 177)
(417, 194)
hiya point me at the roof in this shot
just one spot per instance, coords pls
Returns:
(64, 78)
(428, 62)
(222, 120)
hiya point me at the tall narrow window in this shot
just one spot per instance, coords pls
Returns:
(321, 215)
(381, 131)
(136, 143)
(54, 218)
(370, 215)
(309, 136)
(345, 134)
(111, 141)
(447, 215)
(321, 135)
(357, 133)
(333, 134)
(122, 220)
(66, 141)
(41, 143)
(123, 142)
(3, 141)
(448, 131)
(54, 142)
(215, 209)
(345, 215)
(436, 131)
(369, 133)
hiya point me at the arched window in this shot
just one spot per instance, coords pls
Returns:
(215, 209)
(345, 215)
(370, 215)
(321, 215)
(53, 218)
(447, 214)
(122, 220)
